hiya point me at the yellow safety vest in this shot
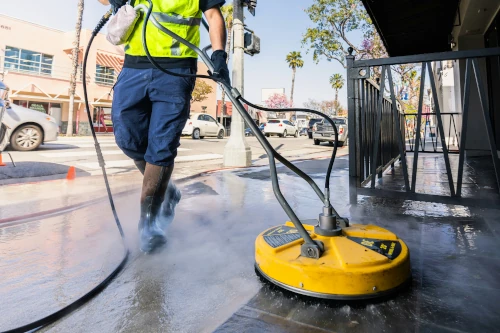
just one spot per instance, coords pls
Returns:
(182, 17)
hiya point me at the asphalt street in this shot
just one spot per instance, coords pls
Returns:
(53, 159)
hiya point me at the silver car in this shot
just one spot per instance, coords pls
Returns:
(25, 129)
(324, 131)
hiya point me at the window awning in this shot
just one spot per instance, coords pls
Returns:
(108, 60)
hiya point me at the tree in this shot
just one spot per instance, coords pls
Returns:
(278, 101)
(201, 91)
(334, 20)
(329, 108)
(337, 82)
(294, 60)
(330, 38)
(75, 65)
(312, 104)
(227, 12)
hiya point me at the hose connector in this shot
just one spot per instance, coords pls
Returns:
(103, 21)
(327, 198)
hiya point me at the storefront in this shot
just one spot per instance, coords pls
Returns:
(52, 109)
(102, 120)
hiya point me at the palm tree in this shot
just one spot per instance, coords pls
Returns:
(294, 60)
(337, 82)
(227, 12)
(74, 70)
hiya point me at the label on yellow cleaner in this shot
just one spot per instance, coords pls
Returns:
(280, 235)
(389, 248)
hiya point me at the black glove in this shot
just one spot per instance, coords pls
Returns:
(220, 67)
(116, 4)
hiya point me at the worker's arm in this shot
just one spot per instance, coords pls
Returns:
(218, 39)
(217, 28)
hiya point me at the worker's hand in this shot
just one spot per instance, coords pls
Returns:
(220, 67)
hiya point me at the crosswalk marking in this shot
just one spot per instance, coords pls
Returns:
(90, 152)
(130, 163)
(109, 164)
(200, 157)
(74, 146)
(81, 153)
(76, 142)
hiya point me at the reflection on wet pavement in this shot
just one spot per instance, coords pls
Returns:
(204, 279)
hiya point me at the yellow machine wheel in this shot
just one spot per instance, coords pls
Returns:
(364, 262)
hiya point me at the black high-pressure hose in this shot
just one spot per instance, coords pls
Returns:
(151, 59)
(100, 287)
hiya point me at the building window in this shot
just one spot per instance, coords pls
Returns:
(25, 61)
(104, 75)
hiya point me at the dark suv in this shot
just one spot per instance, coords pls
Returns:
(311, 125)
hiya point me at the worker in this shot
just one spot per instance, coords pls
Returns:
(150, 107)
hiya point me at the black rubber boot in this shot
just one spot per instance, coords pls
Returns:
(172, 198)
(151, 234)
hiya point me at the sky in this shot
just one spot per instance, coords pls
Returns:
(280, 25)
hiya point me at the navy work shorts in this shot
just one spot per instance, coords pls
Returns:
(150, 109)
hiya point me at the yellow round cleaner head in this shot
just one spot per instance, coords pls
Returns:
(363, 262)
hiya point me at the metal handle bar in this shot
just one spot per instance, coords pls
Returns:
(278, 156)
(234, 95)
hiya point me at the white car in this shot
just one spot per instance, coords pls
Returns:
(200, 125)
(280, 127)
(27, 129)
(23, 128)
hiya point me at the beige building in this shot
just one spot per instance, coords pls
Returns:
(35, 62)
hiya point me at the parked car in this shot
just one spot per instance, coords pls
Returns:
(311, 128)
(200, 125)
(27, 129)
(326, 133)
(303, 131)
(3, 129)
(280, 127)
(248, 131)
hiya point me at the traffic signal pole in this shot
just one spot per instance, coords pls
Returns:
(237, 152)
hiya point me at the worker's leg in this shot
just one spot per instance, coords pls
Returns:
(170, 97)
(131, 112)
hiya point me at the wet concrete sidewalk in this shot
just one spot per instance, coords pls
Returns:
(204, 280)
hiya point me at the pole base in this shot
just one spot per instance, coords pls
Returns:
(237, 156)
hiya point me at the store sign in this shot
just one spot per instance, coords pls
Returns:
(42, 107)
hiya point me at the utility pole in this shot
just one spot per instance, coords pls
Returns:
(237, 152)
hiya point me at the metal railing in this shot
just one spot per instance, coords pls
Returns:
(373, 108)
(50, 71)
(35, 68)
(429, 136)
(105, 79)
(379, 134)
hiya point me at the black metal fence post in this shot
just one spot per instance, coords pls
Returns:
(487, 120)
(351, 131)
(465, 116)
(351, 115)
(417, 134)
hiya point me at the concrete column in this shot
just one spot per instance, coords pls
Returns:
(237, 152)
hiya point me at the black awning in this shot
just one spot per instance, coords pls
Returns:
(413, 26)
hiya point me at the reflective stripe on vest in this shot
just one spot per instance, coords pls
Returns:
(182, 17)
